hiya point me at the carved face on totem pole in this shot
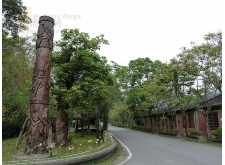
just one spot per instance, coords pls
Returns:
(38, 125)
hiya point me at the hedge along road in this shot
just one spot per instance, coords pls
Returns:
(150, 149)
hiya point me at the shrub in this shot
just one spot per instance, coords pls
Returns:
(175, 131)
(11, 127)
(195, 132)
(218, 133)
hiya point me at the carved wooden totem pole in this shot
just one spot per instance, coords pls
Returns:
(38, 125)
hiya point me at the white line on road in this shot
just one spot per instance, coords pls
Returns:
(130, 154)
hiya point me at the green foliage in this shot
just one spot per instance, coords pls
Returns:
(81, 76)
(164, 118)
(14, 16)
(119, 115)
(218, 133)
(209, 56)
(205, 61)
(139, 70)
(141, 93)
(17, 58)
(175, 131)
(11, 127)
(195, 132)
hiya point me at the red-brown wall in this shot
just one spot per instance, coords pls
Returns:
(220, 118)
(202, 123)
(202, 127)
(180, 123)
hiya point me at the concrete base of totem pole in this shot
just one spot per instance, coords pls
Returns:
(33, 156)
(36, 150)
(34, 153)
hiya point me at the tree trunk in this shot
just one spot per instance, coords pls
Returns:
(20, 138)
(82, 127)
(185, 123)
(76, 122)
(76, 126)
(150, 121)
(208, 128)
(105, 122)
(88, 128)
(174, 122)
(61, 128)
(97, 126)
(50, 135)
(150, 118)
(69, 124)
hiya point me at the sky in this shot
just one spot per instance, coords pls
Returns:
(134, 28)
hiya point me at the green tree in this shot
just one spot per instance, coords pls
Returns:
(139, 71)
(17, 55)
(209, 58)
(119, 114)
(168, 98)
(139, 79)
(14, 16)
(80, 77)
(183, 74)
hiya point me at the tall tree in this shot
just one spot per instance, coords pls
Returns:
(168, 97)
(140, 75)
(183, 74)
(208, 55)
(80, 77)
(17, 58)
(119, 115)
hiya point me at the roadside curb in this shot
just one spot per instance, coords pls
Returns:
(125, 155)
(81, 160)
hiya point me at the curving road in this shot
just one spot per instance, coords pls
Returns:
(149, 149)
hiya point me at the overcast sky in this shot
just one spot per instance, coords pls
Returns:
(141, 28)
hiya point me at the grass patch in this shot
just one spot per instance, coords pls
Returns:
(8, 149)
(113, 158)
(79, 146)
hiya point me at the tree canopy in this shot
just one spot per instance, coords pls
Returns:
(81, 77)
(14, 16)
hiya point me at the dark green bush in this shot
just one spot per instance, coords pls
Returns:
(218, 133)
(174, 131)
(11, 127)
(195, 132)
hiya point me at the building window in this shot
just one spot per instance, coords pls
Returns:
(213, 120)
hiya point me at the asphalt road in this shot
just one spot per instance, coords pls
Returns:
(149, 149)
